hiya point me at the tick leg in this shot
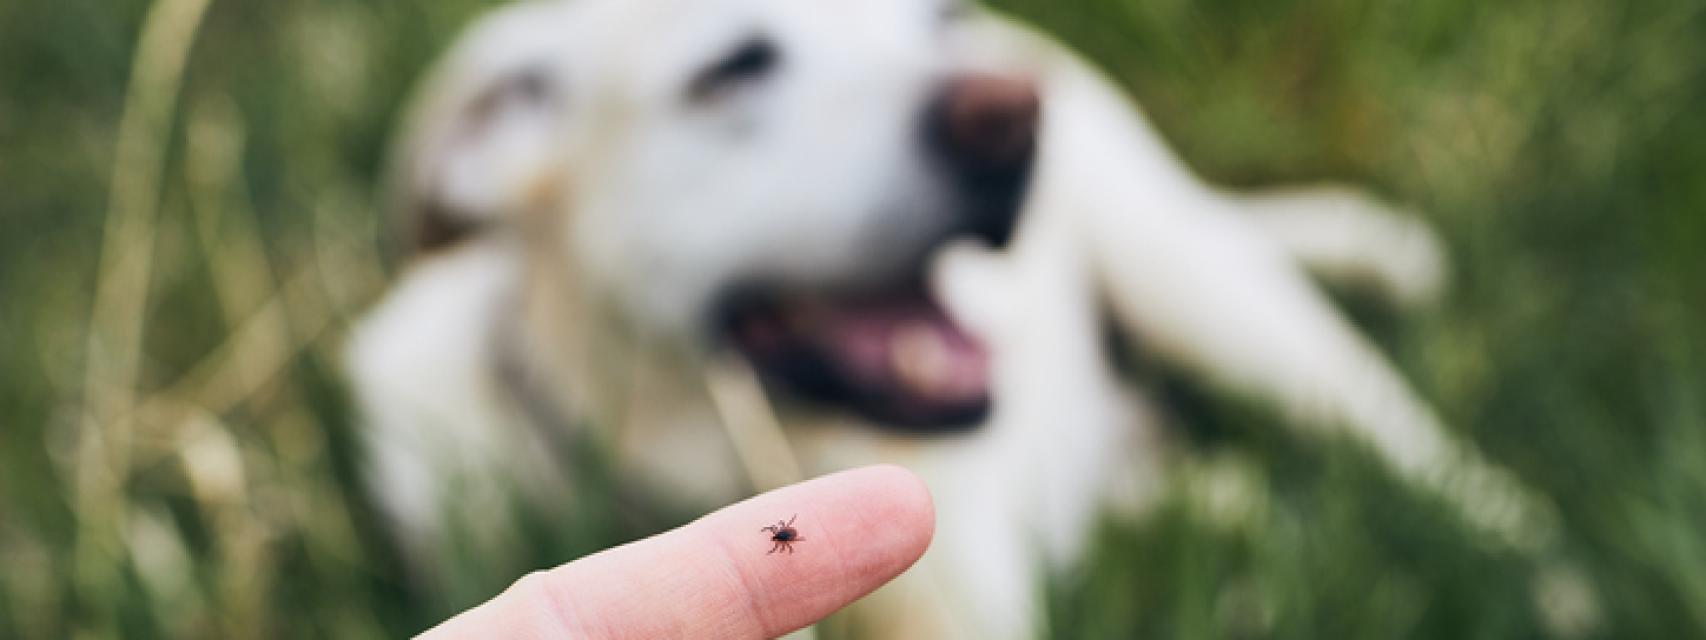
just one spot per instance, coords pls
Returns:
(773, 548)
(792, 519)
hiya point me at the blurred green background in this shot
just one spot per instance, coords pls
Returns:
(193, 247)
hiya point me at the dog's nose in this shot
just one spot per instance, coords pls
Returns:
(987, 122)
(983, 129)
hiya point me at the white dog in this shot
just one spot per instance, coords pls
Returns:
(902, 225)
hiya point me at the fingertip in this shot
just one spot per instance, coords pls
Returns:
(717, 577)
(906, 501)
(861, 527)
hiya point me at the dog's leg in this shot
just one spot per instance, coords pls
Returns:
(1348, 238)
(1204, 288)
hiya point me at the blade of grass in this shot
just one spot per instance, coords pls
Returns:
(121, 292)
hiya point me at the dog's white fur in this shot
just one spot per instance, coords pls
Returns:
(608, 215)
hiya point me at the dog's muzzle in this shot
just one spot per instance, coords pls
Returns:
(890, 352)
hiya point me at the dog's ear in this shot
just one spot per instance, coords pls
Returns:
(479, 142)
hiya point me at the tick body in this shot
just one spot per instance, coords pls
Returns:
(784, 535)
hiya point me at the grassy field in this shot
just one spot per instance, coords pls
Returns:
(189, 225)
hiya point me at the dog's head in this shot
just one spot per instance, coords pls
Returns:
(766, 175)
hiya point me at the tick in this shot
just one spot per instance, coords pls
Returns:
(784, 535)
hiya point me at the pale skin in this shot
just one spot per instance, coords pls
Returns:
(712, 578)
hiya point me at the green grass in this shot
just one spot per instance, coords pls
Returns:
(1556, 144)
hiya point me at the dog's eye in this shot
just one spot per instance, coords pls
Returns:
(751, 60)
(531, 86)
(528, 88)
(951, 12)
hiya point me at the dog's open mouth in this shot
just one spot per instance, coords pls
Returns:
(892, 354)
(895, 357)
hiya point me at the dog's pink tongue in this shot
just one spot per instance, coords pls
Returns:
(911, 350)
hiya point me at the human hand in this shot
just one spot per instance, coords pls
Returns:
(713, 578)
